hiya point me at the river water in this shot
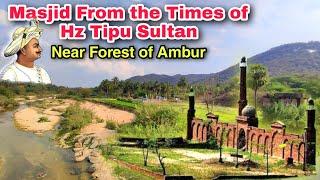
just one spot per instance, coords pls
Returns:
(24, 155)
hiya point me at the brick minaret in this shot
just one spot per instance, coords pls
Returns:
(243, 85)
(311, 134)
(191, 114)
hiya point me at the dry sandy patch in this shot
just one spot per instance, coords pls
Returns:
(108, 114)
(27, 119)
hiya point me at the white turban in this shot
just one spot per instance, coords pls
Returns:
(22, 36)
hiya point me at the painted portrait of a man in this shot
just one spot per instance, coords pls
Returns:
(25, 44)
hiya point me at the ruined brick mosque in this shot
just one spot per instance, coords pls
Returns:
(245, 135)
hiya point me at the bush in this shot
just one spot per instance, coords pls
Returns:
(212, 143)
(282, 112)
(294, 117)
(7, 103)
(43, 119)
(155, 116)
(76, 118)
(6, 92)
(148, 131)
(111, 125)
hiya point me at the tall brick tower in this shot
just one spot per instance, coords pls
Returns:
(311, 134)
(191, 114)
(243, 85)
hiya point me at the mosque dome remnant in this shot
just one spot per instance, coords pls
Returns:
(249, 111)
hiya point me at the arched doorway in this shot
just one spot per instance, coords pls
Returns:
(285, 149)
(252, 141)
(274, 145)
(241, 139)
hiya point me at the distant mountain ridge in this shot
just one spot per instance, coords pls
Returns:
(293, 58)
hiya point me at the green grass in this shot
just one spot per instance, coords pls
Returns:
(75, 118)
(129, 174)
(179, 164)
(226, 114)
(117, 103)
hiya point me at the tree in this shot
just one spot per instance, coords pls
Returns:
(257, 79)
(147, 144)
(208, 100)
(160, 158)
(182, 83)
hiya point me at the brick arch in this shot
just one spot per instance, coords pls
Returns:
(198, 131)
(194, 130)
(204, 133)
(266, 145)
(199, 136)
(241, 141)
(285, 150)
(295, 151)
(252, 138)
(291, 150)
(229, 138)
(192, 125)
(218, 133)
(301, 152)
(234, 137)
(274, 147)
(210, 132)
(259, 141)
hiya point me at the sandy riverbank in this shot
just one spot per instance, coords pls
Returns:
(108, 114)
(27, 118)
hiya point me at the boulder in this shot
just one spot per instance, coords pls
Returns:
(79, 158)
(93, 159)
(87, 141)
(95, 153)
(78, 145)
(94, 143)
(91, 169)
(78, 149)
(78, 153)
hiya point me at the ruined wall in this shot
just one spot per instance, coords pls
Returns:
(256, 139)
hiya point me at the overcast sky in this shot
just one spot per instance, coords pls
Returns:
(271, 24)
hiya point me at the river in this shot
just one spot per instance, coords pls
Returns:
(24, 155)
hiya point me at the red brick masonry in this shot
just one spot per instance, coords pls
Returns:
(256, 139)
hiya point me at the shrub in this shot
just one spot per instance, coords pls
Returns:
(212, 143)
(292, 116)
(279, 111)
(76, 118)
(99, 120)
(7, 103)
(6, 92)
(155, 115)
(43, 119)
(111, 125)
